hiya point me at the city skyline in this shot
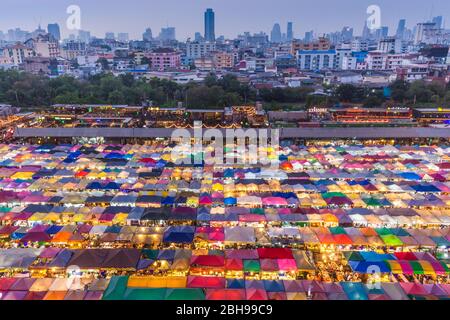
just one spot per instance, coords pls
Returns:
(228, 22)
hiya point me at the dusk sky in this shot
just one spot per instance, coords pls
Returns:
(232, 16)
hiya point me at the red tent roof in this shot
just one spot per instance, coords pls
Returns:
(275, 253)
(208, 261)
(205, 282)
(225, 294)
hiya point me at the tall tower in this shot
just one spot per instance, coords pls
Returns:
(53, 29)
(275, 35)
(290, 32)
(400, 34)
(209, 25)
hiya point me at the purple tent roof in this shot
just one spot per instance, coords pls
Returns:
(36, 237)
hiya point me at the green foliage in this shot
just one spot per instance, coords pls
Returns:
(419, 91)
(27, 90)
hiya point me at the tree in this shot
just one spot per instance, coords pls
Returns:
(398, 90)
(210, 80)
(116, 97)
(419, 92)
(346, 92)
(104, 63)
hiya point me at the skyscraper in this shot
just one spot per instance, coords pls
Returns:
(382, 32)
(438, 21)
(84, 36)
(198, 37)
(147, 35)
(347, 34)
(123, 37)
(290, 32)
(366, 33)
(275, 35)
(110, 36)
(401, 29)
(309, 36)
(167, 34)
(53, 29)
(209, 25)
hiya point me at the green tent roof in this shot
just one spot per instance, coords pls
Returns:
(251, 265)
(185, 294)
(145, 294)
(116, 288)
(383, 231)
(353, 256)
(444, 265)
(150, 253)
(391, 240)
(327, 195)
(416, 266)
(337, 230)
(372, 202)
(257, 211)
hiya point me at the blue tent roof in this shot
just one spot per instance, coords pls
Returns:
(179, 234)
(425, 188)
(369, 267)
(168, 201)
(230, 201)
(53, 229)
(235, 283)
(273, 285)
(371, 256)
(113, 229)
(410, 176)
(354, 290)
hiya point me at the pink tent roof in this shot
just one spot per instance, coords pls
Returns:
(251, 218)
(406, 267)
(287, 265)
(413, 288)
(216, 236)
(205, 200)
(274, 201)
(6, 283)
(256, 294)
(217, 195)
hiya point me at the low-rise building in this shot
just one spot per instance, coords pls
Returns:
(36, 65)
(316, 60)
(17, 53)
(44, 45)
(199, 49)
(164, 59)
